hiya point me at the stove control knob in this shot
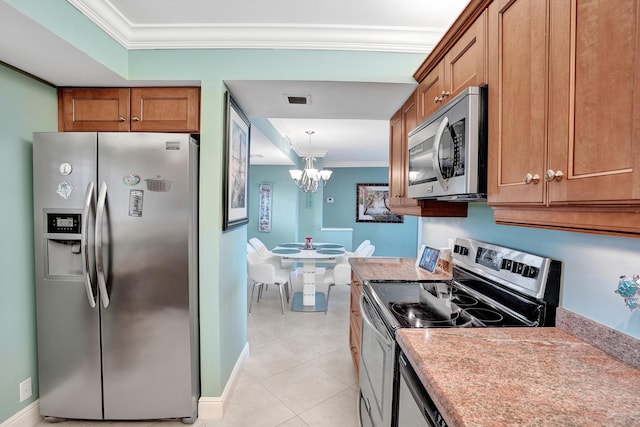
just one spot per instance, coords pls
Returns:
(517, 268)
(506, 264)
(531, 272)
(464, 251)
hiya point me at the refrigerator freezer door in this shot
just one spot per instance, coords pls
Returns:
(68, 327)
(146, 327)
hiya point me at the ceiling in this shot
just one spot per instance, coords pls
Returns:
(350, 120)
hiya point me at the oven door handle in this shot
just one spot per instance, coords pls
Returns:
(365, 318)
(435, 155)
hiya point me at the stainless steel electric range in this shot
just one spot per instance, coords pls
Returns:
(492, 286)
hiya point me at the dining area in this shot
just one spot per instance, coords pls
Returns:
(304, 272)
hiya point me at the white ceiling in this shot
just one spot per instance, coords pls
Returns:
(350, 119)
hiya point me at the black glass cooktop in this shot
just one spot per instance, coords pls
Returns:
(432, 304)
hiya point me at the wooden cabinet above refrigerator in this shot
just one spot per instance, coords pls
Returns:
(140, 109)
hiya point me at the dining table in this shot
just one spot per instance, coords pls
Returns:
(309, 256)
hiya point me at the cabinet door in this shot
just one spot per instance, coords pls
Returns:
(165, 109)
(430, 92)
(594, 109)
(90, 110)
(401, 123)
(517, 101)
(464, 63)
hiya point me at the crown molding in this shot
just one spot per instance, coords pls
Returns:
(257, 36)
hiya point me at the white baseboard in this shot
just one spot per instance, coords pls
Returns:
(27, 417)
(208, 407)
(214, 407)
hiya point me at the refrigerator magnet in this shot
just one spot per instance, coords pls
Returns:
(135, 202)
(131, 179)
(64, 190)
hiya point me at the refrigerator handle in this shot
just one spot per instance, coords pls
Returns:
(84, 245)
(102, 283)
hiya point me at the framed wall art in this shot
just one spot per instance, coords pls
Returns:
(264, 210)
(237, 136)
(372, 204)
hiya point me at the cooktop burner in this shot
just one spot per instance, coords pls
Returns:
(437, 304)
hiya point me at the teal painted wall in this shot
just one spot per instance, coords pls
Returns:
(591, 263)
(284, 215)
(26, 106)
(297, 215)
(398, 240)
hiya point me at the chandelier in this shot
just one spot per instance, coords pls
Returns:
(310, 179)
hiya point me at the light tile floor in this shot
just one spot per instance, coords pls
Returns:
(299, 372)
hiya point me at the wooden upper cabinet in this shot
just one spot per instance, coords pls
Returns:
(463, 65)
(405, 119)
(517, 101)
(564, 114)
(430, 92)
(594, 105)
(93, 109)
(165, 109)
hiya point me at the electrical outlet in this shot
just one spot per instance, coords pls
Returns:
(25, 389)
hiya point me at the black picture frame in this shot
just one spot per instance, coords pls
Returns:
(237, 140)
(372, 204)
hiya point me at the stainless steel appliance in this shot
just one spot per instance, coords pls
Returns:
(448, 151)
(116, 250)
(492, 286)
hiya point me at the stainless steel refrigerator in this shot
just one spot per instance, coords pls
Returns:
(116, 250)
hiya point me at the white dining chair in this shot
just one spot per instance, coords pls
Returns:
(341, 273)
(263, 273)
(263, 251)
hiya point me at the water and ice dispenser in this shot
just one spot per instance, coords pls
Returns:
(63, 245)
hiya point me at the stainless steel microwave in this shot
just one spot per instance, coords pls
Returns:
(448, 150)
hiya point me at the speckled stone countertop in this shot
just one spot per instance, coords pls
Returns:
(379, 268)
(522, 377)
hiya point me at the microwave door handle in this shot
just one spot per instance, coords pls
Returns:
(436, 150)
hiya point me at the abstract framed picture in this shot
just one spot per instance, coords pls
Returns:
(237, 137)
(372, 204)
(264, 210)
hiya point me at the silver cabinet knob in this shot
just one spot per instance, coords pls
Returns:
(551, 175)
(437, 99)
(122, 119)
(529, 179)
(445, 94)
(135, 119)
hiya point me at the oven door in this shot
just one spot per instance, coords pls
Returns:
(377, 353)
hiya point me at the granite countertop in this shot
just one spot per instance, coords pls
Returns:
(380, 268)
(522, 377)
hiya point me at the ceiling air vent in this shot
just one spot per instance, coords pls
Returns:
(298, 100)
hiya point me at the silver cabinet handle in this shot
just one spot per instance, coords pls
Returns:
(528, 178)
(122, 119)
(551, 175)
(84, 244)
(102, 282)
(135, 119)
